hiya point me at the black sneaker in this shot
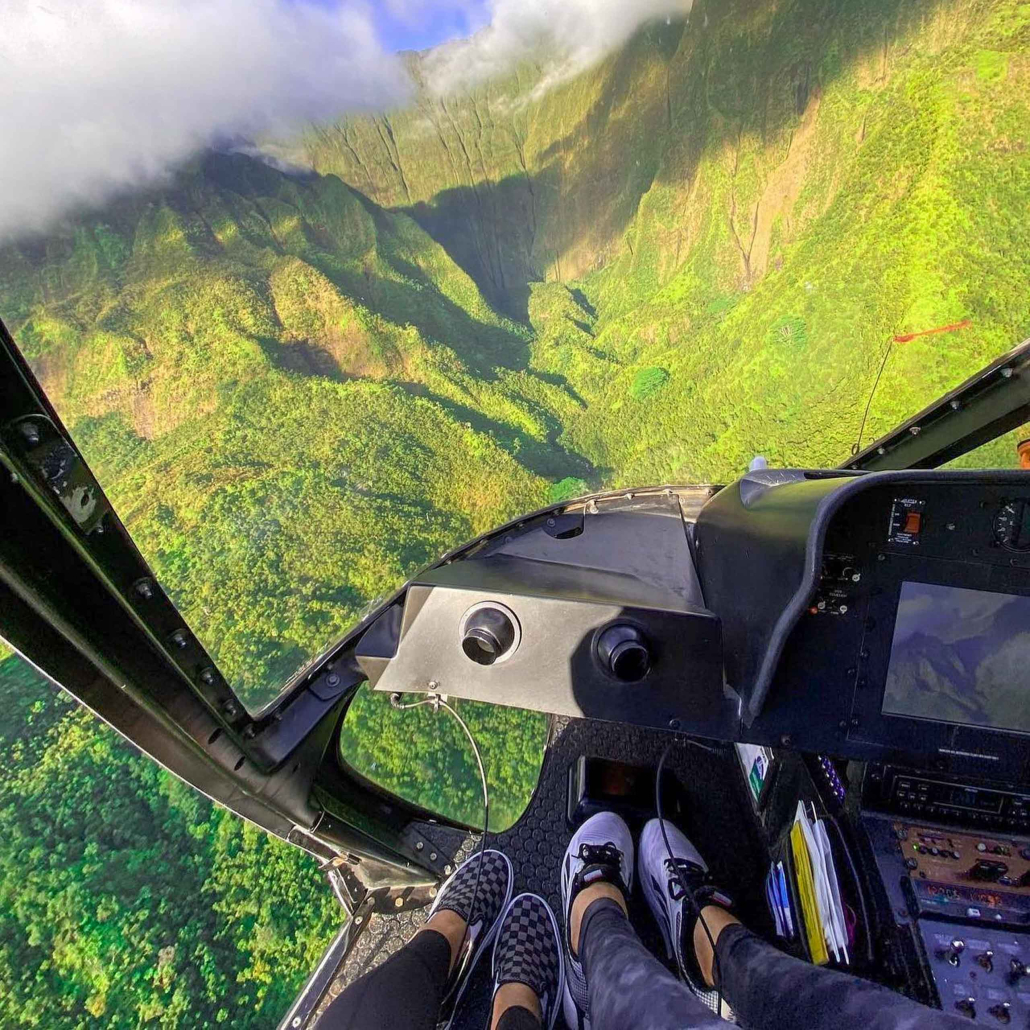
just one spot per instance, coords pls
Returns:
(495, 889)
(528, 951)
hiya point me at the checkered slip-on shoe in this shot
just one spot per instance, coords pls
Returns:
(495, 890)
(528, 951)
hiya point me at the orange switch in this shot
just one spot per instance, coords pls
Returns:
(913, 522)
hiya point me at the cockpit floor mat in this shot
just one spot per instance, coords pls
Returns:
(719, 819)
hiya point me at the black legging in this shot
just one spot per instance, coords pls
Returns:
(405, 992)
(631, 990)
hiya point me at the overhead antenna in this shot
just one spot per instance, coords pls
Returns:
(900, 338)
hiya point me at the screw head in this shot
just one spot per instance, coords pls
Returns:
(674, 724)
(179, 638)
(208, 676)
(145, 589)
(398, 902)
(419, 845)
(432, 856)
(551, 522)
(1006, 373)
(30, 433)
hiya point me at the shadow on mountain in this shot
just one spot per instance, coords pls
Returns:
(673, 93)
(547, 459)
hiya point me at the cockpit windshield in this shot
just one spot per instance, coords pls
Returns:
(581, 248)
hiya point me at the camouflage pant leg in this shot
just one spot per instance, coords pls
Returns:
(772, 991)
(629, 989)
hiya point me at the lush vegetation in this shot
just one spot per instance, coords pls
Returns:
(297, 389)
(125, 897)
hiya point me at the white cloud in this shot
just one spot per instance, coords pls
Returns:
(574, 33)
(100, 95)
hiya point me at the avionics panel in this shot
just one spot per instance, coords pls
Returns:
(944, 666)
(936, 563)
(960, 656)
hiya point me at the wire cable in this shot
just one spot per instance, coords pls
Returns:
(436, 702)
(857, 445)
(686, 886)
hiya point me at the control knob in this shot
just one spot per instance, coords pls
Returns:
(967, 1006)
(1002, 1013)
(624, 652)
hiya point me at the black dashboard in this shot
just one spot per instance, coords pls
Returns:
(877, 616)
(907, 631)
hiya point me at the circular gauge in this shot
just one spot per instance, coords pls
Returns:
(1012, 525)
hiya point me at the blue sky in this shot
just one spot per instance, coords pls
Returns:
(430, 25)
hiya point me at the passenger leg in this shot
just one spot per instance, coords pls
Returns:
(612, 981)
(419, 988)
(765, 988)
(404, 992)
(629, 989)
(528, 968)
(774, 991)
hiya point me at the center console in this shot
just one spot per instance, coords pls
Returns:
(954, 860)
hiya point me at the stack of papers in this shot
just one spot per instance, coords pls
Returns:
(756, 762)
(818, 889)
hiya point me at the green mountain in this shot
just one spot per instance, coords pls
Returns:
(297, 389)
(753, 202)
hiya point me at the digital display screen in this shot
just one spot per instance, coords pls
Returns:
(969, 797)
(960, 656)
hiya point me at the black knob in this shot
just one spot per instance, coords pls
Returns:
(1002, 1013)
(967, 1006)
(489, 634)
(1016, 971)
(623, 651)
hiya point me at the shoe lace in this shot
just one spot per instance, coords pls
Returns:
(684, 877)
(600, 854)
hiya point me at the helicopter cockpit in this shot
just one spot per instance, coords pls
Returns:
(852, 642)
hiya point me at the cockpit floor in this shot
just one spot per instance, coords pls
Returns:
(718, 819)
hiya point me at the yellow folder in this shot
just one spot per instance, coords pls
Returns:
(806, 891)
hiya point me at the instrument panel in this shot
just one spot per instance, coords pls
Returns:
(915, 638)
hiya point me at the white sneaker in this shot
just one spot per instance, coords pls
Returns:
(601, 850)
(668, 885)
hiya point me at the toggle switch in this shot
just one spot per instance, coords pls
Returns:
(1002, 1012)
(967, 1006)
(913, 523)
